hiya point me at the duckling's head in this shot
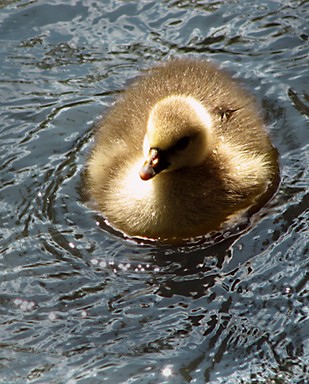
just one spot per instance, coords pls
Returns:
(179, 135)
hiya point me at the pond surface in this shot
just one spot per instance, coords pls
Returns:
(80, 304)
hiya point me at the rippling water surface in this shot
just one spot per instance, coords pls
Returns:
(82, 305)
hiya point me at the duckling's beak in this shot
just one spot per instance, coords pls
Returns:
(155, 163)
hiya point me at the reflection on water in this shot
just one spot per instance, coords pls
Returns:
(82, 305)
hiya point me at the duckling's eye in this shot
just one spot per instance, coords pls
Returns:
(182, 143)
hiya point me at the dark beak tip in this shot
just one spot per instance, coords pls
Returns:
(146, 173)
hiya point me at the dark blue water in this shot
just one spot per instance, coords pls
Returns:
(82, 305)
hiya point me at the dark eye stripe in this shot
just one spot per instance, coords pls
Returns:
(182, 143)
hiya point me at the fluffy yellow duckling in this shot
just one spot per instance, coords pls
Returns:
(180, 153)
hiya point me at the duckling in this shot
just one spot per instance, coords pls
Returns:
(181, 153)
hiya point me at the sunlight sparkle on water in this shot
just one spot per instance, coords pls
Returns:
(167, 372)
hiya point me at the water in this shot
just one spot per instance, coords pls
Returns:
(82, 305)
